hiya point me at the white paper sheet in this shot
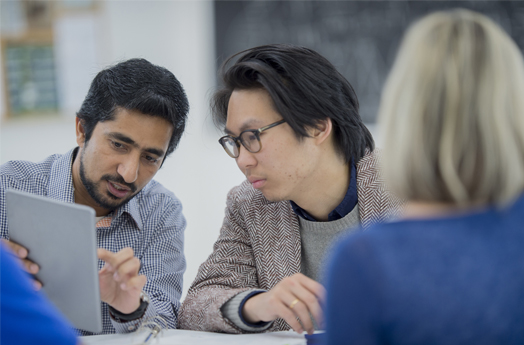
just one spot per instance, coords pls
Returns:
(184, 337)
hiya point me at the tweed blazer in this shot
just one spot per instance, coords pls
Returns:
(259, 245)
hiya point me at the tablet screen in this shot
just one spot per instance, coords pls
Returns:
(61, 239)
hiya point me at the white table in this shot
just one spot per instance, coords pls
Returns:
(184, 337)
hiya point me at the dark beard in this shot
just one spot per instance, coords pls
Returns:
(103, 200)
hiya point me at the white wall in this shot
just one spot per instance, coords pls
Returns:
(179, 36)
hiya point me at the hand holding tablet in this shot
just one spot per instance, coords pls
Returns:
(61, 239)
(22, 253)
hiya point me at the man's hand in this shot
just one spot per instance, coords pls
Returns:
(295, 296)
(29, 266)
(120, 284)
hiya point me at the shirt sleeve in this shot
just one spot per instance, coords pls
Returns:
(26, 316)
(232, 309)
(163, 263)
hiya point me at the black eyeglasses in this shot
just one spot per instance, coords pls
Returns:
(249, 138)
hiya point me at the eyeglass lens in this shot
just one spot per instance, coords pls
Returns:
(249, 139)
(230, 146)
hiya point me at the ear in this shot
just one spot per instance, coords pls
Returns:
(80, 132)
(322, 131)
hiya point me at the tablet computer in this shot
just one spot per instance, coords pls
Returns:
(61, 239)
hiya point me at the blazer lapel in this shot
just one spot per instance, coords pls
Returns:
(276, 243)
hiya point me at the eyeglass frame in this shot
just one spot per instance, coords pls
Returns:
(256, 132)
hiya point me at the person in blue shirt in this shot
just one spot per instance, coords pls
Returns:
(26, 316)
(131, 119)
(451, 271)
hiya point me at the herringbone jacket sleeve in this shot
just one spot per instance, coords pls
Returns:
(259, 245)
(229, 270)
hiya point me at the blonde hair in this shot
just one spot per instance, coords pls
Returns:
(452, 113)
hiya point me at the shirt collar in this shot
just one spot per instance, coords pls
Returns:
(61, 188)
(60, 185)
(344, 208)
(132, 209)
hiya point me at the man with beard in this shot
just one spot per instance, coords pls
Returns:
(131, 120)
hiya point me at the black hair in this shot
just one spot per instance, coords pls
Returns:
(305, 88)
(138, 85)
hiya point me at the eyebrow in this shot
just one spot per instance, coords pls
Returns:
(128, 140)
(247, 125)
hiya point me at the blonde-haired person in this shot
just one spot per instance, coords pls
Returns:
(452, 270)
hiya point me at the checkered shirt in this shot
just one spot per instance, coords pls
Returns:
(151, 224)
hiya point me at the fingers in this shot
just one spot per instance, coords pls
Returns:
(127, 270)
(30, 266)
(37, 285)
(292, 318)
(115, 259)
(124, 266)
(136, 283)
(307, 306)
(295, 299)
(284, 304)
(314, 287)
(268, 306)
(293, 309)
(17, 249)
(21, 253)
(302, 312)
(310, 294)
(302, 296)
(120, 283)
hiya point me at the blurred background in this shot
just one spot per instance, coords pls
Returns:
(51, 50)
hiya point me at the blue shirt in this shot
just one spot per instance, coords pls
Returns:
(26, 316)
(347, 205)
(151, 224)
(453, 280)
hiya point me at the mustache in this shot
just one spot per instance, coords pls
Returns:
(120, 180)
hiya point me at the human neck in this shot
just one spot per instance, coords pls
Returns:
(325, 190)
(429, 209)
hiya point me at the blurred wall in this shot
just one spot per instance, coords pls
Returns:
(360, 38)
(177, 35)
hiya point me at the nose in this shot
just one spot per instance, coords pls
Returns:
(245, 159)
(128, 169)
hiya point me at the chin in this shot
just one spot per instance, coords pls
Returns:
(273, 198)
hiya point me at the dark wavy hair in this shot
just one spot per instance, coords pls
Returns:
(305, 88)
(138, 85)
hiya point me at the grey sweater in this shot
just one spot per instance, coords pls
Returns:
(316, 239)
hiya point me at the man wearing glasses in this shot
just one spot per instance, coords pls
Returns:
(293, 128)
